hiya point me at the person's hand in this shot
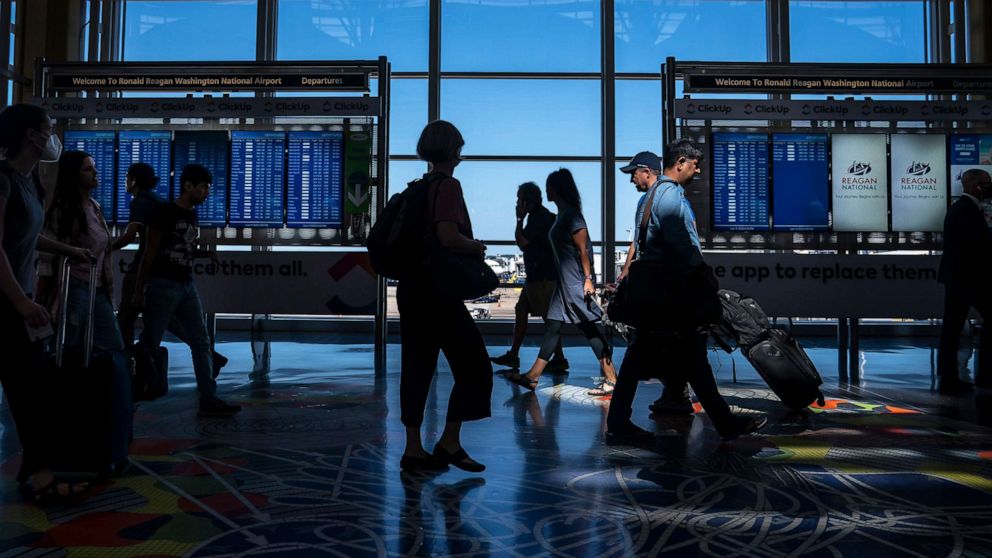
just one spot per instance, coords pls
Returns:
(81, 255)
(32, 312)
(480, 248)
(588, 289)
(521, 209)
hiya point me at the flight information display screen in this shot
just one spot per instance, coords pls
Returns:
(210, 150)
(257, 168)
(740, 182)
(153, 148)
(100, 145)
(969, 151)
(800, 182)
(314, 182)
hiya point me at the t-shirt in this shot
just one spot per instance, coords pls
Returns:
(671, 234)
(95, 240)
(22, 223)
(143, 207)
(180, 230)
(539, 260)
(450, 205)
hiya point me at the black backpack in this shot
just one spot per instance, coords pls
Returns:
(397, 242)
(744, 322)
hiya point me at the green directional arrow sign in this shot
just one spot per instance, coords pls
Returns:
(357, 162)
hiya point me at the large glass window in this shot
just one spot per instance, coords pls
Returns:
(857, 31)
(156, 30)
(510, 35)
(355, 30)
(8, 85)
(648, 31)
(524, 117)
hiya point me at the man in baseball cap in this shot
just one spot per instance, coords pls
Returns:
(643, 160)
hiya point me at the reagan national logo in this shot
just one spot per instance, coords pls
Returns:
(859, 177)
(918, 177)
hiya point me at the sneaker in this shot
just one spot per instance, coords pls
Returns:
(509, 360)
(215, 407)
(668, 406)
(557, 365)
(745, 425)
(631, 435)
(220, 361)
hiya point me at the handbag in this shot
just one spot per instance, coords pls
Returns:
(456, 276)
(654, 296)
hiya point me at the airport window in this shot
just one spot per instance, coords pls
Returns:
(355, 30)
(8, 9)
(648, 31)
(508, 35)
(858, 31)
(157, 30)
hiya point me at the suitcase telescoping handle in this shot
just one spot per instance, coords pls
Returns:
(64, 278)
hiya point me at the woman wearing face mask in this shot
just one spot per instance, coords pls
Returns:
(27, 137)
(75, 218)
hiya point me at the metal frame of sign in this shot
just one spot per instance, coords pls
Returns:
(695, 115)
(89, 96)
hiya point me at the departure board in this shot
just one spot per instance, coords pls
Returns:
(210, 150)
(257, 168)
(740, 182)
(100, 145)
(153, 148)
(314, 192)
(800, 182)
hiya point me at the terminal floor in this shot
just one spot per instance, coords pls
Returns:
(310, 468)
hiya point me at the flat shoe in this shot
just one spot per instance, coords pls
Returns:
(459, 459)
(521, 380)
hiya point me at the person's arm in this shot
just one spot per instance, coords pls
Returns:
(34, 314)
(452, 239)
(629, 260)
(74, 253)
(518, 233)
(151, 250)
(130, 233)
(581, 240)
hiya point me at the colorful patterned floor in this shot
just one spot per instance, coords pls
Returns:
(310, 468)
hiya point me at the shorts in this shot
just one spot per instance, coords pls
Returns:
(535, 298)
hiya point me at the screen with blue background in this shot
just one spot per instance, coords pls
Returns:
(210, 150)
(100, 145)
(740, 182)
(257, 168)
(314, 191)
(153, 148)
(800, 182)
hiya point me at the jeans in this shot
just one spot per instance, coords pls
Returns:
(165, 299)
(106, 337)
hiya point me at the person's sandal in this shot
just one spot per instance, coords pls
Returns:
(521, 380)
(459, 459)
(600, 390)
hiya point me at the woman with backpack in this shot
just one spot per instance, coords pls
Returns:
(430, 325)
(572, 300)
(27, 136)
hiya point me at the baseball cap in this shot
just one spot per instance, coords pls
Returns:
(643, 160)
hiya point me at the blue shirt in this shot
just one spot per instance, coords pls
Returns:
(671, 234)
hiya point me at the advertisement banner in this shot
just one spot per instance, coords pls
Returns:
(969, 151)
(919, 182)
(860, 187)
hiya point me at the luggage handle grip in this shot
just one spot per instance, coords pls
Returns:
(64, 276)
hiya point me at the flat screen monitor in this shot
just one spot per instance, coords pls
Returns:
(859, 187)
(314, 186)
(153, 148)
(210, 150)
(919, 182)
(257, 170)
(740, 182)
(969, 151)
(800, 182)
(101, 146)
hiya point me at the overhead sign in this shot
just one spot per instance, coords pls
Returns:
(139, 80)
(209, 107)
(741, 109)
(885, 81)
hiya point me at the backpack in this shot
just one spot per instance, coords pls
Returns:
(397, 242)
(743, 322)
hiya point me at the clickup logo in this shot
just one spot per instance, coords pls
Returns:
(918, 168)
(859, 168)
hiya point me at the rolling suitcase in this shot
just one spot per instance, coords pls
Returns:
(92, 410)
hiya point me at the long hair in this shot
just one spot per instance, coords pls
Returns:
(566, 191)
(15, 121)
(67, 201)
